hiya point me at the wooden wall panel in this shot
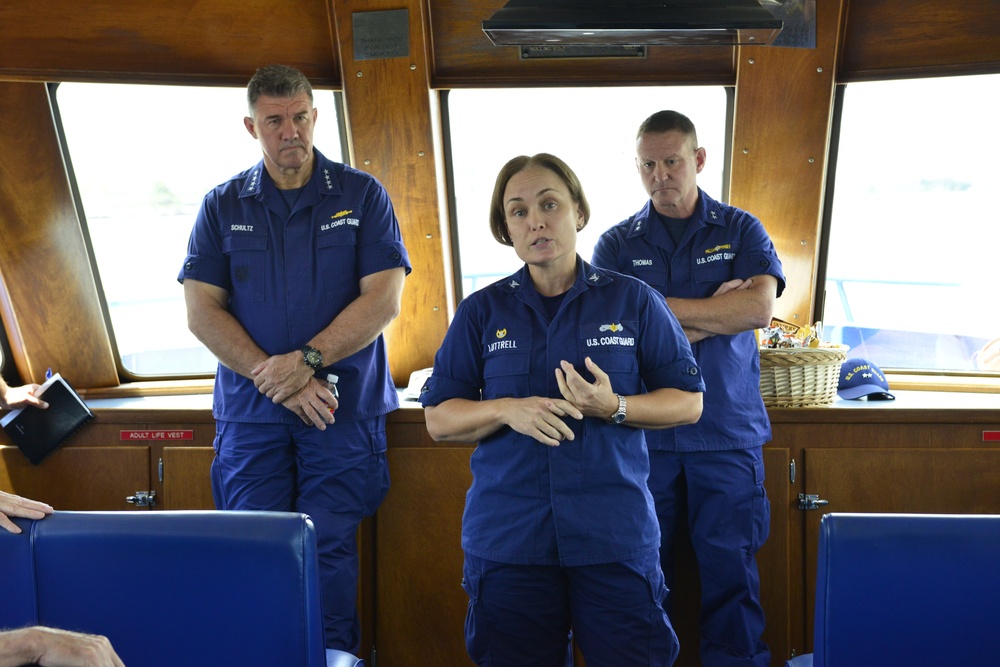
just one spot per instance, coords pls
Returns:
(49, 301)
(187, 483)
(187, 41)
(905, 38)
(420, 605)
(392, 125)
(78, 477)
(784, 100)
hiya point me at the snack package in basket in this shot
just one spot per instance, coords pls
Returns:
(782, 334)
(797, 367)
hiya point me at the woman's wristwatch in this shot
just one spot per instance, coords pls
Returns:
(619, 416)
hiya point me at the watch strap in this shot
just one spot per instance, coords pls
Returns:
(619, 416)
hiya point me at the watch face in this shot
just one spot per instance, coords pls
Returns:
(619, 417)
(312, 357)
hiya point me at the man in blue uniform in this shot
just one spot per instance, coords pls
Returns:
(718, 269)
(293, 269)
(555, 371)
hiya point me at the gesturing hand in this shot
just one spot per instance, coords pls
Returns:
(593, 399)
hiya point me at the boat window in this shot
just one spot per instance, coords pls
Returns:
(142, 158)
(591, 129)
(913, 230)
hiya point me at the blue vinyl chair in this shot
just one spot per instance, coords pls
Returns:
(906, 589)
(192, 588)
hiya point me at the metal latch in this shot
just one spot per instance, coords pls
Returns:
(142, 499)
(811, 501)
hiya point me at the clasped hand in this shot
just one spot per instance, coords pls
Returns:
(288, 382)
(281, 375)
(544, 418)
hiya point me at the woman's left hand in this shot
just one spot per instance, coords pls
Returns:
(596, 399)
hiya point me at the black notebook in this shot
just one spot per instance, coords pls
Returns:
(38, 432)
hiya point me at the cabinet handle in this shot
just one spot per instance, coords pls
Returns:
(811, 501)
(142, 499)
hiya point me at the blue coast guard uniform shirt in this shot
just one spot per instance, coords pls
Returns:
(585, 501)
(721, 243)
(289, 274)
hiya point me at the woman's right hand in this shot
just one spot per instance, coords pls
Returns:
(543, 419)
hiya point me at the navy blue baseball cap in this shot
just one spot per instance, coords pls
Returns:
(860, 378)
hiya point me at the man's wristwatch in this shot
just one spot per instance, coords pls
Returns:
(312, 357)
(619, 416)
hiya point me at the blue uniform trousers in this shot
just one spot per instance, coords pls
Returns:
(337, 477)
(521, 615)
(720, 496)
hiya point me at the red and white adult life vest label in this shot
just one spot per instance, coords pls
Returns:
(149, 434)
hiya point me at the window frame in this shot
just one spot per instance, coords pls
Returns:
(972, 380)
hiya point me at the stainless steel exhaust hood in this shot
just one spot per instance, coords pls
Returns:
(628, 22)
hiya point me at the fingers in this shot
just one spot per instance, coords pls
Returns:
(8, 525)
(19, 397)
(315, 415)
(563, 386)
(576, 382)
(51, 646)
(11, 505)
(587, 398)
(279, 377)
(570, 382)
(732, 285)
(553, 431)
(599, 375)
(314, 404)
(542, 419)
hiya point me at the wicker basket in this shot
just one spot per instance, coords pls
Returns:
(800, 377)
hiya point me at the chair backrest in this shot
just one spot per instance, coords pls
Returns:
(200, 588)
(908, 589)
(18, 599)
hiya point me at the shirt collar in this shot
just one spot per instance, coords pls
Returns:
(324, 179)
(586, 276)
(707, 211)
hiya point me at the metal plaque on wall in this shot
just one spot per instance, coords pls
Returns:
(382, 34)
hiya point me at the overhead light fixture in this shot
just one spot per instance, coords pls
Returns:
(632, 22)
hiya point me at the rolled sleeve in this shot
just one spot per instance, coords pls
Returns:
(438, 389)
(206, 270)
(205, 260)
(458, 364)
(384, 256)
(683, 374)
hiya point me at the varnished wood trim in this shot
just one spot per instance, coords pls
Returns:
(50, 304)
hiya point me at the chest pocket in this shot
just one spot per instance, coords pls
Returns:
(336, 245)
(717, 269)
(615, 352)
(506, 369)
(652, 275)
(247, 257)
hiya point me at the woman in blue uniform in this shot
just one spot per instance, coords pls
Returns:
(555, 371)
